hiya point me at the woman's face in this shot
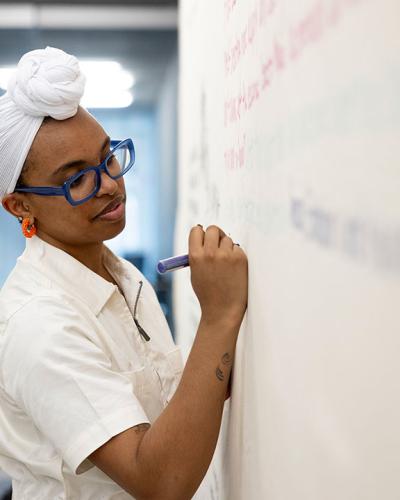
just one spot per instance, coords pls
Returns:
(80, 138)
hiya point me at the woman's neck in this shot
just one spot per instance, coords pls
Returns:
(90, 255)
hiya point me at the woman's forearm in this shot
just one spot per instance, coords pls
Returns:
(176, 451)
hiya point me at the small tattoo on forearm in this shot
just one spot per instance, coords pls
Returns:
(226, 359)
(219, 374)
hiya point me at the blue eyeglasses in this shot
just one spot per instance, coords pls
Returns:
(85, 184)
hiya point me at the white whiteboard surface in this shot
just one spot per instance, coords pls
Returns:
(290, 141)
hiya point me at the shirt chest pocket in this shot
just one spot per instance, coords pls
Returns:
(155, 387)
(147, 388)
(174, 360)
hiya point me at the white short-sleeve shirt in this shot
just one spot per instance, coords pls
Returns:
(75, 370)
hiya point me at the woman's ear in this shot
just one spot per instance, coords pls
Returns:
(15, 205)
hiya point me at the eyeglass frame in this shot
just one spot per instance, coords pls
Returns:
(64, 190)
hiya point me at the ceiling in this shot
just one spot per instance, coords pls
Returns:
(144, 3)
(146, 53)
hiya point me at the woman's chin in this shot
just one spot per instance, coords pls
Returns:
(113, 230)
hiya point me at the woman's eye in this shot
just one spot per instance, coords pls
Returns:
(76, 182)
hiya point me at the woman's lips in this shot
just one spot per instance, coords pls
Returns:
(114, 214)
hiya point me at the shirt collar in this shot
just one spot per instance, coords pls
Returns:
(63, 270)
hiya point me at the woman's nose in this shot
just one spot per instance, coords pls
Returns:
(108, 185)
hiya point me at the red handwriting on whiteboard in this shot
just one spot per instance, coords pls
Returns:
(249, 93)
(311, 28)
(244, 101)
(229, 7)
(265, 9)
(308, 31)
(247, 36)
(234, 156)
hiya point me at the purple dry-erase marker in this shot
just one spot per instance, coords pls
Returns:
(173, 263)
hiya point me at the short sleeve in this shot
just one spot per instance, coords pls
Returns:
(64, 381)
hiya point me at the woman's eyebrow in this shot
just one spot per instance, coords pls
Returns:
(76, 163)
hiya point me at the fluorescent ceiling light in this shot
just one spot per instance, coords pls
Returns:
(120, 99)
(106, 73)
(67, 16)
(108, 84)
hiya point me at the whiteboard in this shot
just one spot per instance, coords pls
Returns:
(290, 141)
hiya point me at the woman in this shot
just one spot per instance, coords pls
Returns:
(95, 403)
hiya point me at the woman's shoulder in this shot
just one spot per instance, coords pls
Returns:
(22, 287)
(26, 296)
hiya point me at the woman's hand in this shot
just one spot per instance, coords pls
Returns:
(219, 274)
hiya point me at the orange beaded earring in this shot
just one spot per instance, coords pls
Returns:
(28, 229)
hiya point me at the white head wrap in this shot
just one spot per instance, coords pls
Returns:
(48, 82)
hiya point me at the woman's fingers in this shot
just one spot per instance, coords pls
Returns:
(212, 238)
(196, 238)
(218, 273)
(226, 243)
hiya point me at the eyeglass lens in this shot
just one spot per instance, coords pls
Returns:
(86, 184)
(118, 162)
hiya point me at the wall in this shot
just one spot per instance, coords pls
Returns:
(289, 133)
